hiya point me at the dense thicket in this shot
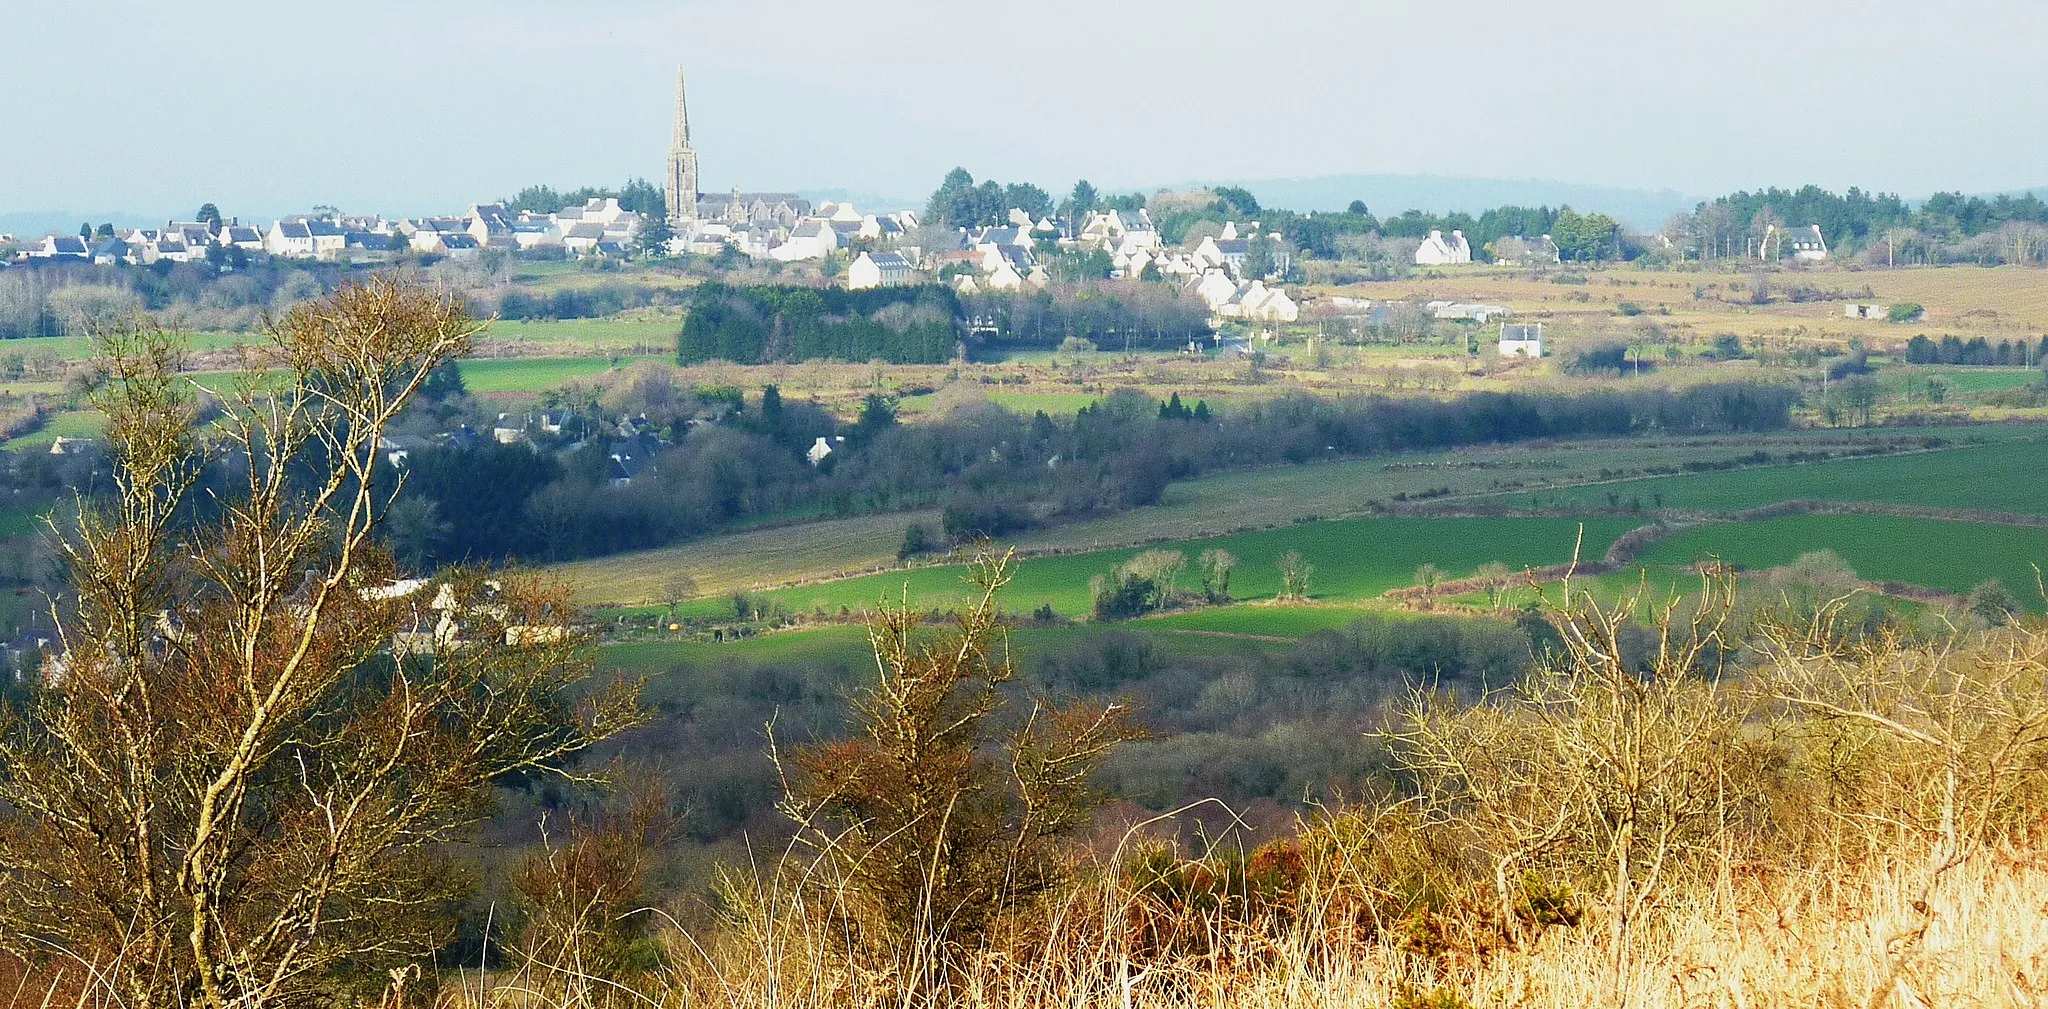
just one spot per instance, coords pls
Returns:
(992, 470)
(1243, 728)
(1112, 316)
(1939, 229)
(65, 298)
(753, 325)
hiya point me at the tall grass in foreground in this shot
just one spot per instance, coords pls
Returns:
(1776, 811)
(1771, 812)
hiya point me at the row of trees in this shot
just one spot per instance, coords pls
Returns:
(755, 325)
(1952, 349)
(637, 195)
(1113, 316)
(1939, 229)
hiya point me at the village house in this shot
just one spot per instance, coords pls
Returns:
(1436, 250)
(1514, 250)
(1464, 312)
(60, 247)
(877, 269)
(631, 457)
(305, 238)
(1804, 243)
(1116, 230)
(490, 225)
(1221, 253)
(810, 239)
(1255, 302)
(110, 251)
(240, 236)
(1521, 339)
(820, 449)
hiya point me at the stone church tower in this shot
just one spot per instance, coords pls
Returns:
(682, 163)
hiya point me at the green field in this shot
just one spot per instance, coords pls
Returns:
(530, 374)
(1354, 559)
(1951, 556)
(2004, 476)
(1226, 503)
(16, 521)
(631, 335)
(1913, 379)
(1278, 621)
(68, 424)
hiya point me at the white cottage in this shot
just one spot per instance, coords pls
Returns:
(1521, 339)
(1436, 250)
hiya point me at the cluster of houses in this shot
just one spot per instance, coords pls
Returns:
(597, 226)
(783, 227)
(1513, 250)
(1006, 258)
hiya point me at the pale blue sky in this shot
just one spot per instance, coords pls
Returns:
(405, 107)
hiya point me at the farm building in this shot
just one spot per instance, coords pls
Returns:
(1521, 339)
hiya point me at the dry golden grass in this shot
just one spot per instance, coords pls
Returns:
(763, 558)
(1965, 300)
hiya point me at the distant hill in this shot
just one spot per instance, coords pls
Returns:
(1387, 195)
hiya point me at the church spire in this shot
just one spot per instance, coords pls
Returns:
(682, 162)
(681, 140)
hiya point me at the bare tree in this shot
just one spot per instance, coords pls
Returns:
(1597, 769)
(678, 589)
(231, 787)
(1494, 577)
(1294, 575)
(1216, 564)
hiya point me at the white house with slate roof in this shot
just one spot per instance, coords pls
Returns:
(1804, 243)
(1521, 339)
(290, 239)
(810, 239)
(240, 236)
(877, 269)
(1436, 250)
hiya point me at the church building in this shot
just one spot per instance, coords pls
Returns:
(688, 205)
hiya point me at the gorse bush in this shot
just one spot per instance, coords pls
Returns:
(1577, 836)
(930, 821)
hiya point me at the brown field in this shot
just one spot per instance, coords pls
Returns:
(1968, 301)
(764, 557)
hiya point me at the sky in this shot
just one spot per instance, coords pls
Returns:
(428, 105)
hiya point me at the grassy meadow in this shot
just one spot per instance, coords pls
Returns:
(1354, 560)
(497, 375)
(1234, 502)
(1948, 556)
(1998, 476)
